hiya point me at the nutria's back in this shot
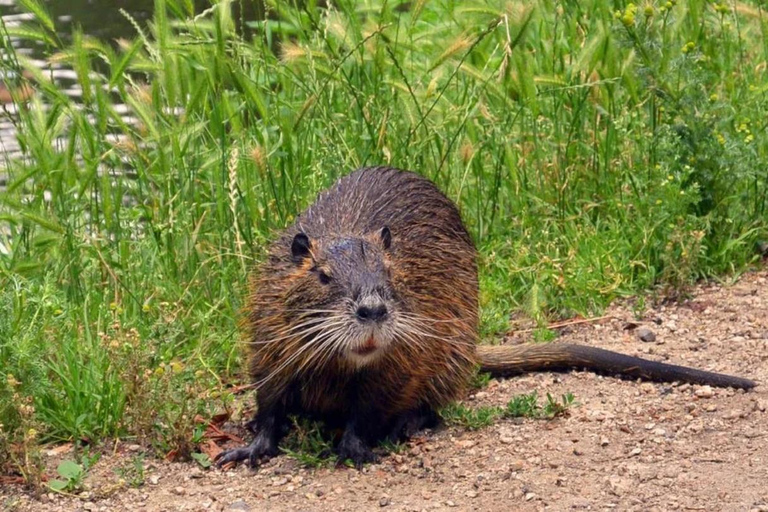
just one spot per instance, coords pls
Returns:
(417, 213)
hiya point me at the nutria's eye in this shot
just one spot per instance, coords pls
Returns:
(323, 277)
(300, 246)
(386, 237)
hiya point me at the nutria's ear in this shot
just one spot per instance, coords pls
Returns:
(300, 247)
(386, 237)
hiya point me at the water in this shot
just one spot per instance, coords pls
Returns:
(98, 18)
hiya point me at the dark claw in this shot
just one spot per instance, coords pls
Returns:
(260, 450)
(410, 424)
(233, 455)
(351, 447)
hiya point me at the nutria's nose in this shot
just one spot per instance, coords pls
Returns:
(372, 313)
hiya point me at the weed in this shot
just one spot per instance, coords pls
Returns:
(308, 443)
(480, 380)
(133, 472)
(544, 335)
(553, 408)
(469, 418)
(72, 475)
(527, 406)
(202, 460)
(393, 446)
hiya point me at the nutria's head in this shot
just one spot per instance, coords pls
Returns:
(343, 298)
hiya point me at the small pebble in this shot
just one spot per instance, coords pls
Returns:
(179, 490)
(704, 392)
(646, 335)
(384, 501)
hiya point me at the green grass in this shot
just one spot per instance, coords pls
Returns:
(521, 406)
(597, 151)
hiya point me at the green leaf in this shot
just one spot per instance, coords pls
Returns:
(202, 459)
(57, 485)
(119, 68)
(69, 470)
(40, 13)
(31, 34)
(43, 222)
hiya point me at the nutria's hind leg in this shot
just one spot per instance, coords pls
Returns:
(411, 422)
(267, 425)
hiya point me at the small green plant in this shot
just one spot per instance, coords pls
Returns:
(133, 473)
(480, 380)
(392, 446)
(72, 475)
(88, 457)
(544, 335)
(638, 307)
(525, 406)
(202, 460)
(469, 418)
(554, 408)
(308, 444)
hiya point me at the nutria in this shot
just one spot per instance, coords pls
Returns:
(365, 315)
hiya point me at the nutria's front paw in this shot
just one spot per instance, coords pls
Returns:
(261, 449)
(352, 447)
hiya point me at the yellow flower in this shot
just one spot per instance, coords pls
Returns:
(713, 97)
(628, 19)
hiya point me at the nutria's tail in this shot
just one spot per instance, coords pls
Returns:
(510, 360)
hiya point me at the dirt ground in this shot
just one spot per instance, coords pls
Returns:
(625, 446)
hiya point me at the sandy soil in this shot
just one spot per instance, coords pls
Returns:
(626, 446)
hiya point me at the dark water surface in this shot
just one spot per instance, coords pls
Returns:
(98, 18)
(106, 20)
